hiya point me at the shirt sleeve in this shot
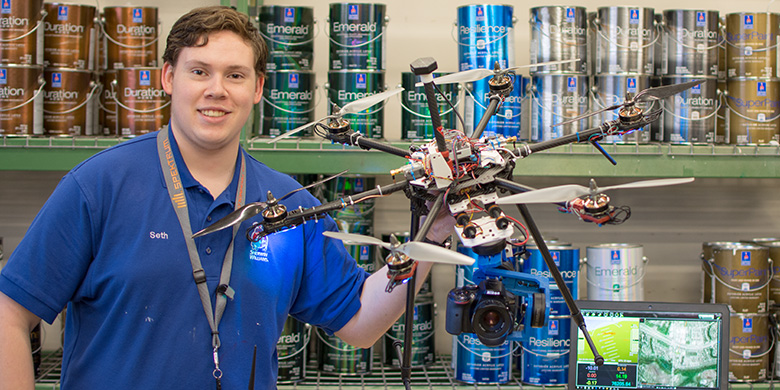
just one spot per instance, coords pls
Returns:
(51, 261)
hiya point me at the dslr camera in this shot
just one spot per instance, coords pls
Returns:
(488, 310)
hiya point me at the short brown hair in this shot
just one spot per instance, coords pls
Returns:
(193, 29)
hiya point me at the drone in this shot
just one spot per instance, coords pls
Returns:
(466, 174)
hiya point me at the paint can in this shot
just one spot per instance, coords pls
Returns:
(423, 331)
(415, 114)
(689, 116)
(615, 272)
(357, 36)
(107, 103)
(509, 118)
(624, 40)
(291, 351)
(751, 44)
(559, 33)
(21, 99)
(289, 34)
(742, 275)
(142, 104)
(357, 218)
(608, 90)
(545, 357)
(69, 36)
(347, 86)
(567, 260)
(21, 32)
(68, 105)
(130, 36)
(335, 357)
(707, 268)
(288, 102)
(690, 43)
(485, 34)
(774, 285)
(721, 131)
(556, 98)
(753, 110)
(749, 347)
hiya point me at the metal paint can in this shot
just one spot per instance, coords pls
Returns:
(423, 340)
(335, 357)
(545, 357)
(357, 218)
(291, 351)
(348, 86)
(690, 115)
(69, 107)
(289, 34)
(608, 90)
(485, 34)
(753, 110)
(21, 32)
(130, 36)
(722, 49)
(508, 120)
(707, 268)
(615, 272)
(721, 131)
(107, 103)
(415, 114)
(749, 347)
(69, 36)
(21, 99)
(288, 102)
(742, 276)
(624, 42)
(774, 256)
(567, 260)
(554, 99)
(427, 287)
(559, 33)
(357, 36)
(690, 43)
(142, 104)
(751, 44)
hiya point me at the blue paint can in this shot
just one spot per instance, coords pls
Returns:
(508, 120)
(545, 358)
(567, 259)
(485, 35)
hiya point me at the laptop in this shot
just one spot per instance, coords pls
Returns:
(651, 345)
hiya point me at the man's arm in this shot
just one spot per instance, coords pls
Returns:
(16, 366)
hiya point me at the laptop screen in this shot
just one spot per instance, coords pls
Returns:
(647, 345)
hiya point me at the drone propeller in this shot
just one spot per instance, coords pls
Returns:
(472, 75)
(413, 249)
(571, 191)
(252, 209)
(349, 108)
(646, 95)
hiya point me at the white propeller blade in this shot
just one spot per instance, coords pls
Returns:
(650, 183)
(357, 239)
(366, 102)
(547, 195)
(434, 254)
(297, 130)
(472, 75)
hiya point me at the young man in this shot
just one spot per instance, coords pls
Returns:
(112, 242)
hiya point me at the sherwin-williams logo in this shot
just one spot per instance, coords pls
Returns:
(745, 259)
(354, 12)
(570, 15)
(614, 257)
(145, 78)
(359, 186)
(361, 81)
(138, 15)
(293, 80)
(363, 253)
(289, 15)
(748, 21)
(62, 12)
(552, 329)
(556, 256)
(6, 7)
(259, 250)
(747, 325)
(761, 88)
(571, 84)
(631, 85)
(3, 76)
(633, 16)
(701, 19)
(480, 14)
(56, 80)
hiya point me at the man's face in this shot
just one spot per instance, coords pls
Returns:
(213, 89)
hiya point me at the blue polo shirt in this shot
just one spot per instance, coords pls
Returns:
(108, 244)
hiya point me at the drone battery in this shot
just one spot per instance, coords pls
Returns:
(751, 44)
(624, 40)
(689, 116)
(416, 115)
(512, 113)
(69, 36)
(142, 104)
(559, 33)
(288, 102)
(21, 100)
(742, 275)
(750, 345)
(690, 43)
(357, 36)
(130, 36)
(608, 90)
(289, 34)
(347, 86)
(21, 32)
(291, 351)
(753, 110)
(556, 98)
(615, 272)
(485, 35)
(423, 340)
(69, 102)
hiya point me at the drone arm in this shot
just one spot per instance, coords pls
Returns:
(483, 122)
(582, 136)
(424, 68)
(356, 139)
(434, 211)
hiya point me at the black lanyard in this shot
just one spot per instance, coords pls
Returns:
(179, 201)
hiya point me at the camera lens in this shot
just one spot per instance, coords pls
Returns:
(492, 322)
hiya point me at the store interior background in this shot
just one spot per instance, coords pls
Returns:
(669, 222)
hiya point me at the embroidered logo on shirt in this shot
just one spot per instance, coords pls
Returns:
(259, 250)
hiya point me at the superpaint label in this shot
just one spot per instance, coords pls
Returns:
(570, 15)
(6, 7)
(138, 15)
(56, 80)
(752, 339)
(62, 13)
(289, 15)
(701, 19)
(733, 273)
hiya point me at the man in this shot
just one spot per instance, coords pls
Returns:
(112, 243)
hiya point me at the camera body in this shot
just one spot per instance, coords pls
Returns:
(488, 310)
